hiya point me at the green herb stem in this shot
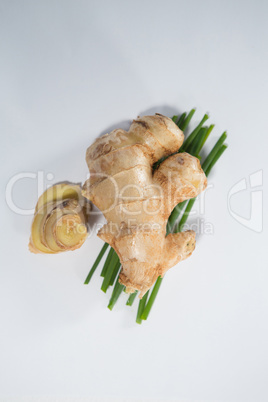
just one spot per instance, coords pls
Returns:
(141, 307)
(216, 157)
(113, 266)
(96, 263)
(214, 151)
(152, 298)
(187, 120)
(181, 120)
(174, 216)
(131, 298)
(201, 138)
(193, 134)
(210, 128)
(185, 215)
(115, 272)
(107, 262)
(117, 290)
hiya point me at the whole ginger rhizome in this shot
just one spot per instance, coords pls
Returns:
(137, 200)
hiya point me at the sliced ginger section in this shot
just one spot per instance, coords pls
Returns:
(60, 220)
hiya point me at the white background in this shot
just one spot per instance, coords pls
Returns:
(71, 70)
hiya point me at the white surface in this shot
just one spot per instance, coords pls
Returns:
(69, 71)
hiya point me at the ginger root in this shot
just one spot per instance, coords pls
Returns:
(59, 222)
(137, 201)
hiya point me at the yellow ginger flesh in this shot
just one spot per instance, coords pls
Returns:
(137, 201)
(59, 222)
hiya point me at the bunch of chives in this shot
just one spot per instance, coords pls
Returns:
(111, 268)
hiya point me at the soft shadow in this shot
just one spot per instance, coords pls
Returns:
(166, 110)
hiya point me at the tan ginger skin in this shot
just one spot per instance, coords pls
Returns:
(137, 201)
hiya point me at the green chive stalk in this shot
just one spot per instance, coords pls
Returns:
(107, 262)
(193, 135)
(142, 304)
(184, 124)
(131, 298)
(113, 266)
(96, 263)
(117, 290)
(152, 298)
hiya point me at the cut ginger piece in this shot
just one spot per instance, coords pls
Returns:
(60, 220)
